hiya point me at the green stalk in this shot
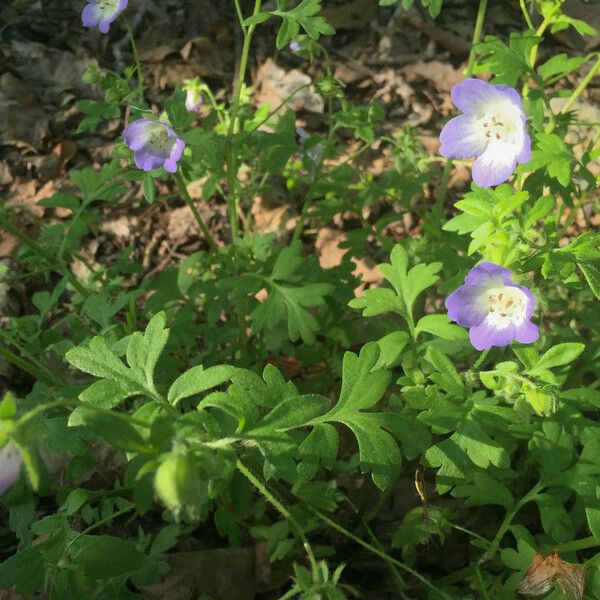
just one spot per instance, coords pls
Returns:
(526, 14)
(308, 200)
(443, 189)
(281, 509)
(579, 89)
(188, 200)
(232, 195)
(35, 371)
(59, 268)
(136, 56)
(479, 20)
(576, 545)
(510, 515)
(383, 555)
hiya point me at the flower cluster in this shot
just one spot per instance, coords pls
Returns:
(491, 128)
(490, 304)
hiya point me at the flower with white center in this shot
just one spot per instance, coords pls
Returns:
(10, 466)
(492, 128)
(493, 307)
(154, 144)
(102, 13)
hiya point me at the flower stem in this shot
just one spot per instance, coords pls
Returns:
(577, 545)
(383, 555)
(480, 360)
(510, 515)
(476, 36)
(136, 57)
(232, 193)
(281, 509)
(579, 89)
(59, 268)
(526, 14)
(35, 371)
(188, 200)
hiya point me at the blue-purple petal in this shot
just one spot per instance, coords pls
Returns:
(463, 306)
(485, 335)
(471, 95)
(494, 166)
(527, 332)
(524, 155)
(460, 139)
(88, 16)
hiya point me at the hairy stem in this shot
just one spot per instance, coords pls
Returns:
(510, 515)
(188, 200)
(579, 89)
(476, 36)
(262, 488)
(232, 168)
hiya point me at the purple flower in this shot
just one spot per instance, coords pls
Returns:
(193, 100)
(492, 128)
(10, 466)
(494, 308)
(102, 13)
(294, 46)
(154, 145)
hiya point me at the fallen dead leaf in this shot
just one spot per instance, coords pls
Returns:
(275, 84)
(546, 571)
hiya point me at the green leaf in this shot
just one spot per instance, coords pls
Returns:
(363, 385)
(558, 355)
(440, 326)
(99, 359)
(8, 406)
(484, 490)
(320, 447)
(257, 19)
(144, 350)
(149, 188)
(105, 556)
(24, 570)
(113, 428)
(560, 65)
(407, 284)
(108, 393)
(198, 379)
(591, 272)
(446, 377)
(506, 63)
(391, 347)
(291, 413)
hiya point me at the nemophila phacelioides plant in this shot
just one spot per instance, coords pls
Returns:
(244, 398)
